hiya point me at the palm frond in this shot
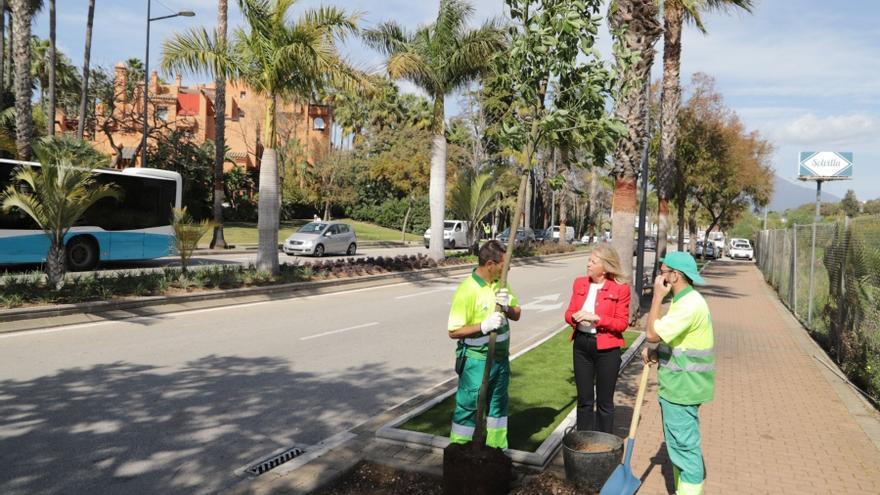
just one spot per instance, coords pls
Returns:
(388, 38)
(199, 52)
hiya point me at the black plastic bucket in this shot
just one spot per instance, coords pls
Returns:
(590, 457)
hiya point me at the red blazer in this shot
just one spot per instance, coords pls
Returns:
(612, 306)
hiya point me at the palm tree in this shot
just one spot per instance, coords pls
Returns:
(3, 59)
(439, 58)
(84, 92)
(675, 13)
(636, 27)
(60, 193)
(218, 241)
(22, 13)
(50, 115)
(278, 59)
(473, 198)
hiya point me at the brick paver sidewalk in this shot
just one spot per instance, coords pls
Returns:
(780, 422)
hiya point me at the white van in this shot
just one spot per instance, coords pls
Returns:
(553, 232)
(455, 235)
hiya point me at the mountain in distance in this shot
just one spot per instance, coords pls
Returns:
(788, 194)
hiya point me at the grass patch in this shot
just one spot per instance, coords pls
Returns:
(240, 233)
(542, 393)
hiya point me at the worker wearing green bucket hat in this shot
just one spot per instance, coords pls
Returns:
(687, 365)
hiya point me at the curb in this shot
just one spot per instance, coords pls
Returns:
(538, 459)
(283, 290)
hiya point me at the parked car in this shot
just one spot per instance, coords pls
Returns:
(731, 242)
(521, 235)
(541, 235)
(554, 233)
(650, 244)
(741, 249)
(318, 238)
(711, 251)
(455, 235)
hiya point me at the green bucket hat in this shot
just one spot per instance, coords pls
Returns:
(684, 262)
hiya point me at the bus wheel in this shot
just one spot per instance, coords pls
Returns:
(82, 254)
(319, 250)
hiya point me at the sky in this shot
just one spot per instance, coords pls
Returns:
(805, 74)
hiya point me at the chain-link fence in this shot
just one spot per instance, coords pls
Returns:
(828, 274)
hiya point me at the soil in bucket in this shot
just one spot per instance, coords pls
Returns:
(590, 457)
(466, 471)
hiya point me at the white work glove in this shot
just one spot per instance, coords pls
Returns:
(493, 322)
(502, 298)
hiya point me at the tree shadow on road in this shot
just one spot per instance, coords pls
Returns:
(125, 427)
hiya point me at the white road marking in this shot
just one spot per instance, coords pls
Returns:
(432, 291)
(324, 334)
(543, 303)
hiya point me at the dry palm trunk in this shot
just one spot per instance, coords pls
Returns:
(84, 90)
(670, 101)
(24, 124)
(218, 240)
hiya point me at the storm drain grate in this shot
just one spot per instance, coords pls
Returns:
(274, 461)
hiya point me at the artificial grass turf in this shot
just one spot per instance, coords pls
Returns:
(542, 393)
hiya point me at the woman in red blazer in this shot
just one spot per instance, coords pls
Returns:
(598, 313)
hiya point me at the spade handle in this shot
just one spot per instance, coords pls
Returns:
(637, 410)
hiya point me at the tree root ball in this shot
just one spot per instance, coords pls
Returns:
(466, 471)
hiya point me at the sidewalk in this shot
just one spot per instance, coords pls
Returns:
(780, 422)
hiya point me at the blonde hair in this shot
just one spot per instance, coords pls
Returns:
(610, 262)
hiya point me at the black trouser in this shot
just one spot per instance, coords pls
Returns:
(591, 367)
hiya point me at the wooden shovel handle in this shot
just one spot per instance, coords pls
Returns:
(639, 398)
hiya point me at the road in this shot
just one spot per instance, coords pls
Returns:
(177, 403)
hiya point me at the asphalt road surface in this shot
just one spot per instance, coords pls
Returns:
(176, 403)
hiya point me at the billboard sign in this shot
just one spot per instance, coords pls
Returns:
(825, 165)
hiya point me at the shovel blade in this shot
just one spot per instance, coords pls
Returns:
(621, 482)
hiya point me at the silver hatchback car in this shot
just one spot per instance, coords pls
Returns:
(317, 238)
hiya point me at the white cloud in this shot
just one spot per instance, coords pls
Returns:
(809, 129)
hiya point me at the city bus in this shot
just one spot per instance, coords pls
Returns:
(135, 227)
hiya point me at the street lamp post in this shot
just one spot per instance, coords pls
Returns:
(182, 13)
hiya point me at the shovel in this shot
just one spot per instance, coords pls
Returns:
(622, 481)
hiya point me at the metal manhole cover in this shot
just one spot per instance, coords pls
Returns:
(274, 461)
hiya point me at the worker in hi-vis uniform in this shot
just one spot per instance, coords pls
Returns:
(687, 365)
(472, 317)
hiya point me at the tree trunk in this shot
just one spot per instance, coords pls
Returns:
(267, 220)
(670, 101)
(623, 221)
(84, 90)
(3, 59)
(50, 115)
(692, 226)
(437, 188)
(406, 218)
(592, 214)
(218, 241)
(527, 207)
(55, 265)
(681, 221)
(24, 124)
(563, 215)
(327, 211)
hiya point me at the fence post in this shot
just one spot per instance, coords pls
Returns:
(812, 273)
(793, 294)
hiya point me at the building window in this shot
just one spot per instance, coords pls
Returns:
(162, 113)
(240, 113)
(242, 95)
(318, 124)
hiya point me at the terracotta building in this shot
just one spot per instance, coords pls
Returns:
(119, 127)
